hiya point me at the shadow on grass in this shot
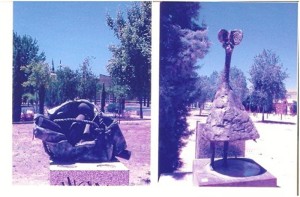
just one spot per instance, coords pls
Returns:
(132, 119)
(23, 122)
(276, 122)
(202, 115)
(178, 175)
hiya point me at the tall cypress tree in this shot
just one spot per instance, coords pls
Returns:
(182, 42)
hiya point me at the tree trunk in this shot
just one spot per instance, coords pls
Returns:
(115, 99)
(123, 104)
(41, 99)
(200, 111)
(263, 114)
(17, 101)
(141, 107)
(148, 102)
(103, 97)
(120, 110)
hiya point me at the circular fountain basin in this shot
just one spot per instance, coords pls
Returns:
(238, 167)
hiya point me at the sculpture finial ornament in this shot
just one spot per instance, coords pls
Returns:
(229, 40)
(233, 38)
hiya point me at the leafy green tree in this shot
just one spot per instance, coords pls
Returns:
(87, 87)
(67, 82)
(204, 88)
(38, 78)
(28, 98)
(130, 65)
(25, 51)
(182, 43)
(238, 82)
(120, 92)
(52, 98)
(267, 77)
(214, 82)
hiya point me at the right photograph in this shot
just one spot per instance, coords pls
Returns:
(228, 94)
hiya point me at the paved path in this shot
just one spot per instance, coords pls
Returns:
(275, 150)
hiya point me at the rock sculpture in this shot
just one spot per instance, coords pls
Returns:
(228, 119)
(76, 132)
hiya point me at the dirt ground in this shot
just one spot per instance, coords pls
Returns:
(31, 163)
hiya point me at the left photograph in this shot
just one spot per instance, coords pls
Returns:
(81, 89)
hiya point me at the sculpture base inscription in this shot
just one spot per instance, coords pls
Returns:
(89, 174)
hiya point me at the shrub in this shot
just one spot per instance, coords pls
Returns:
(112, 108)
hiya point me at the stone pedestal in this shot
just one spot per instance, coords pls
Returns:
(204, 175)
(235, 149)
(89, 174)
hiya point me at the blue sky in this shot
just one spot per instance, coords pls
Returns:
(265, 26)
(69, 31)
(72, 31)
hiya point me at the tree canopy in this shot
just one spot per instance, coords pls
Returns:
(25, 52)
(238, 82)
(88, 82)
(67, 84)
(267, 77)
(63, 86)
(38, 78)
(130, 64)
(204, 88)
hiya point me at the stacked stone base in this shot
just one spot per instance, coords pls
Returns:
(89, 174)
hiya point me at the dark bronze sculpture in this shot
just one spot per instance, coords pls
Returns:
(228, 119)
(76, 132)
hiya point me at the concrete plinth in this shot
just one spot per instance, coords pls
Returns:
(204, 175)
(89, 174)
